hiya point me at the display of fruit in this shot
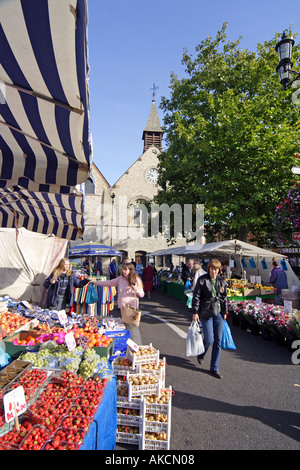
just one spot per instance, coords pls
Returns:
(14, 437)
(162, 399)
(156, 436)
(56, 444)
(142, 379)
(36, 438)
(95, 383)
(51, 422)
(82, 411)
(33, 378)
(69, 435)
(11, 322)
(92, 334)
(160, 418)
(144, 351)
(68, 378)
(79, 422)
(54, 389)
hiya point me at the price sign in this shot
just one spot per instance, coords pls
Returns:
(287, 306)
(62, 317)
(14, 404)
(258, 301)
(70, 341)
(132, 345)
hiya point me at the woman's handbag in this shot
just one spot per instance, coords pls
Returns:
(130, 315)
(227, 340)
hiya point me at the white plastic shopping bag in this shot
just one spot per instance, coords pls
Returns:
(194, 341)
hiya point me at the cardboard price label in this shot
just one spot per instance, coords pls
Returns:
(14, 404)
(62, 317)
(70, 341)
(132, 345)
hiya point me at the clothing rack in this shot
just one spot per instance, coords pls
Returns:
(102, 307)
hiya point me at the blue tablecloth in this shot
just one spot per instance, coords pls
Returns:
(103, 431)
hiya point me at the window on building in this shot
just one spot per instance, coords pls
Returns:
(89, 187)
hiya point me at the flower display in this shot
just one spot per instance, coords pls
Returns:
(272, 317)
(287, 216)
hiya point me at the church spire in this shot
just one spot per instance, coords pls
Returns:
(152, 134)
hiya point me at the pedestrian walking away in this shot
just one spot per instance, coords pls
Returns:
(209, 304)
(279, 280)
(148, 274)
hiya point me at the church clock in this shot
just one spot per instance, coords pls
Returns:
(152, 175)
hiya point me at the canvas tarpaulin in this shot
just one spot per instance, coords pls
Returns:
(45, 145)
(26, 261)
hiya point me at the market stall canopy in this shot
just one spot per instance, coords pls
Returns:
(231, 247)
(223, 249)
(45, 147)
(92, 249)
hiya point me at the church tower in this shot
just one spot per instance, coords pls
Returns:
(152, 134)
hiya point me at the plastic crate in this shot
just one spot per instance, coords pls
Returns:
(128, 437)
(159, 370)
(137, 390)
(149, 444)
(122, 365)
(123, 402)
(120, 338)
(142, 357)
(156, 427)
(128, 420)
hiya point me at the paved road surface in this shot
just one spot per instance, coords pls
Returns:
(256, 404)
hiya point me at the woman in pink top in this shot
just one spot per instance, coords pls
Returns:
(130, 289)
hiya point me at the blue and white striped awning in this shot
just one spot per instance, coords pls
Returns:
(45, 147)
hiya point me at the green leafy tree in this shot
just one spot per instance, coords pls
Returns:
(231, 134)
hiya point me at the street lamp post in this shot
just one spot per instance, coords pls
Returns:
(285, 66)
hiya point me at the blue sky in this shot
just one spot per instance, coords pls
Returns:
(135, 43)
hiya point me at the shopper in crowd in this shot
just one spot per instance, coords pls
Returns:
(98, 267)
(60, 285)
(120, 266)
(198, 271)
(139, 268)
(112, 268)
(187, 272)
(148, 274)
(209, 305)
(130, 289)
(278, 278)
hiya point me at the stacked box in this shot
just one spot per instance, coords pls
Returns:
(145, 355)
(143, 405)
(156, 421)
(128, 417)
(142, 384)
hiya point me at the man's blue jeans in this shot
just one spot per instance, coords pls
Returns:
(212, 332)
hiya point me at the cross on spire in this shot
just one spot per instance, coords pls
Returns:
(153, 89)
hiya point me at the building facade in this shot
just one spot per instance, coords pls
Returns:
(118, 215)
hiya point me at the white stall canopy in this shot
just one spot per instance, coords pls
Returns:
(254, 260)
